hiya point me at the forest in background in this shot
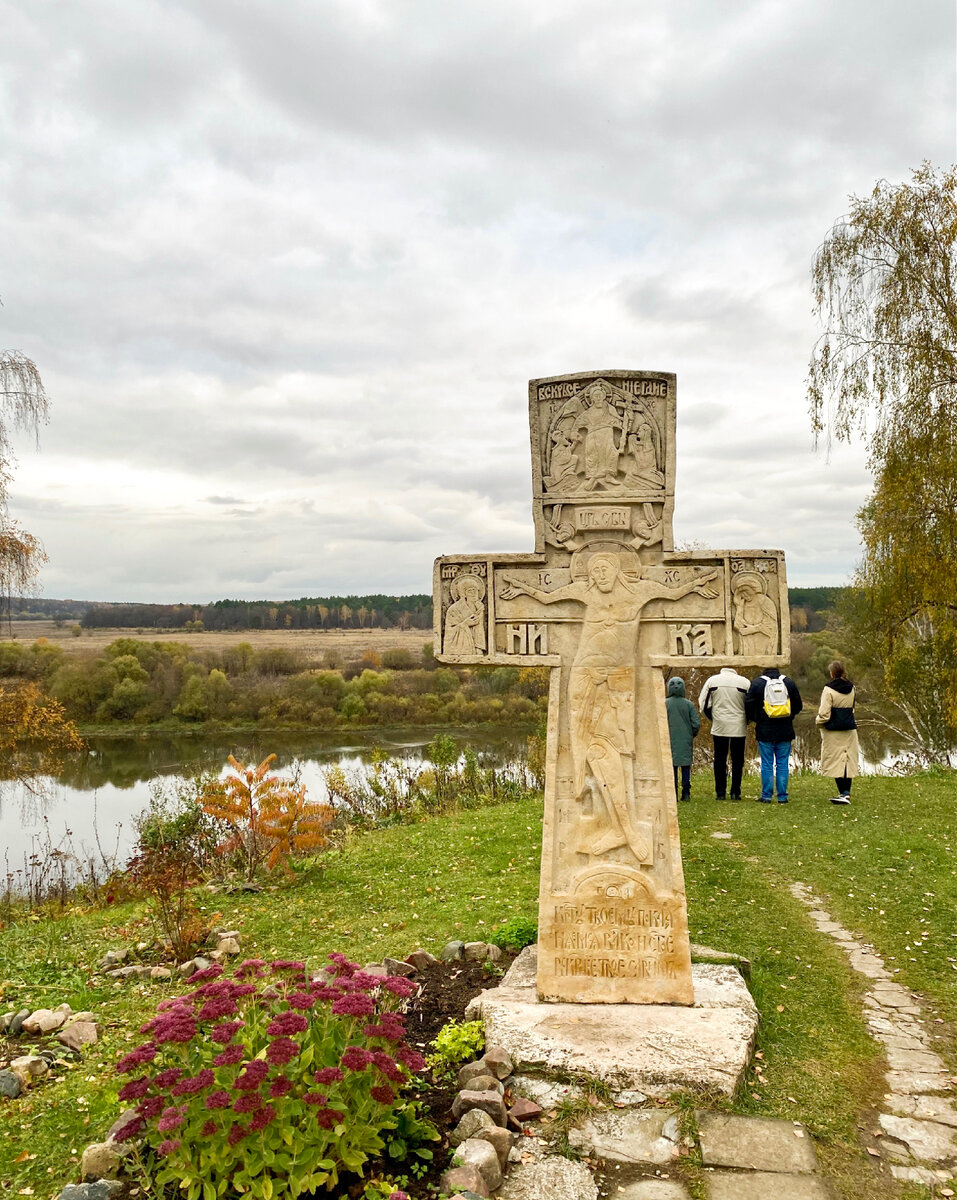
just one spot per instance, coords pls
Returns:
(809, 609)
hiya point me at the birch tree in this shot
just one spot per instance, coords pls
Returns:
(885, 369)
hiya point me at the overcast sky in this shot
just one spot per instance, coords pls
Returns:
(287, 265)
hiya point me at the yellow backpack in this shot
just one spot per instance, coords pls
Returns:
(777, 702)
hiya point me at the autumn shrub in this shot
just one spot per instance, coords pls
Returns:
(175, 843)
(268, 816)
(270, 1082)
(165, 879)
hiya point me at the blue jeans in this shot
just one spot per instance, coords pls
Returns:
(774, 769)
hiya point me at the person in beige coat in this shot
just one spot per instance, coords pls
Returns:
(840, 752)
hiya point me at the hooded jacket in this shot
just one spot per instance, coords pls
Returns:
(772, 729)
(683, 723)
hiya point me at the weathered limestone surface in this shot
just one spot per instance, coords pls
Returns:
(653, 1048)
(623, 1136)
(654, 1189)
(606, 602)
(755, 1143)
(927, 1140)
(762, 1185)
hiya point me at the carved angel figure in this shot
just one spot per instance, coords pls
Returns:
(465, 618)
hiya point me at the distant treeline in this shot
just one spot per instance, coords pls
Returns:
(809, 608)
(318, 612)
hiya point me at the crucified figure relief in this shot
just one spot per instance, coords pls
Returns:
(601, 687)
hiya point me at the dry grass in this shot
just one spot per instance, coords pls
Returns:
(350, 643)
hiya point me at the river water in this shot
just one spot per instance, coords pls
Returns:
(93, 803)
(90, 809)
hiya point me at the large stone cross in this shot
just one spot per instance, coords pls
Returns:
(607, 603)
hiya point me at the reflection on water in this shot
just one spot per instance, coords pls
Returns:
(101, 791)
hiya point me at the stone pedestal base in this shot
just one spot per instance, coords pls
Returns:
(655, 1049)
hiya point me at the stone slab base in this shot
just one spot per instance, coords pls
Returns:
(654, 1049)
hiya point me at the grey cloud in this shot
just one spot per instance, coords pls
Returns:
(286, 268)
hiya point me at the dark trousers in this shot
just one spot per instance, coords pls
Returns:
(843, 785)
(722, 746)
(685, 781)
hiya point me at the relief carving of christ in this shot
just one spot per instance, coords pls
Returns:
(601, 687)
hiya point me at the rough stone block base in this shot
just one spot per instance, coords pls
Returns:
(654, 1049)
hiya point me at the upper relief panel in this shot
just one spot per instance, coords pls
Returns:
(604, 440)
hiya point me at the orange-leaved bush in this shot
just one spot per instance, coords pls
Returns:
(269, 815)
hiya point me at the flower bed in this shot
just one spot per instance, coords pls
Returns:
(270, 1077)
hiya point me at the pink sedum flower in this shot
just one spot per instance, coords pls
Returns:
(354, 1058)
(229, 1057)
(282, 1051)
(328, 1075)
(353, 1006)
(134, 1089)
(171, 1118)
(253, 1074)
(262, 1118)
(169, 1146)
(225, 1032)
(236, 1133)
(287, 1023)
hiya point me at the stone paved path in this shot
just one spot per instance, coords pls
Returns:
(919, 1123)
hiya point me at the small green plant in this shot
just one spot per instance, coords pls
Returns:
(456, 1042)
(383, 1189)
(515, 934)
(409, 1133)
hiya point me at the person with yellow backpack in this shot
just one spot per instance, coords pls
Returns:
(772, 703)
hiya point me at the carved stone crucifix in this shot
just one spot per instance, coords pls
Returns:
(606, 602)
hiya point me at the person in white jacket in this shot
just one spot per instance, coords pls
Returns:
(722, 702)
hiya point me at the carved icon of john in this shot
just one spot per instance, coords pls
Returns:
(601, 685)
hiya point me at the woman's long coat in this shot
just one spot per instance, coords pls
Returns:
(840, 750)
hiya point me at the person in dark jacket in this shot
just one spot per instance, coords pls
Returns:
(774, 733)
(683, 726)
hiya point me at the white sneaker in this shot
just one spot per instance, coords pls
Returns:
(841, 800)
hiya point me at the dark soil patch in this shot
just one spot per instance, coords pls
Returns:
(446, 989)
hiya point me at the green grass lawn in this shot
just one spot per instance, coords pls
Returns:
(884, 867)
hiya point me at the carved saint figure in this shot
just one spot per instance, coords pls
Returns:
(755, 617)
(561, 475)
(601, 687)
(598, 421)
(465, 618)
(641, 462)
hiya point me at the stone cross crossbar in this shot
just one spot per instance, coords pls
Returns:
(607, 602)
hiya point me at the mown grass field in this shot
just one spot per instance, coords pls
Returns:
(885, 867)
(349, 643)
